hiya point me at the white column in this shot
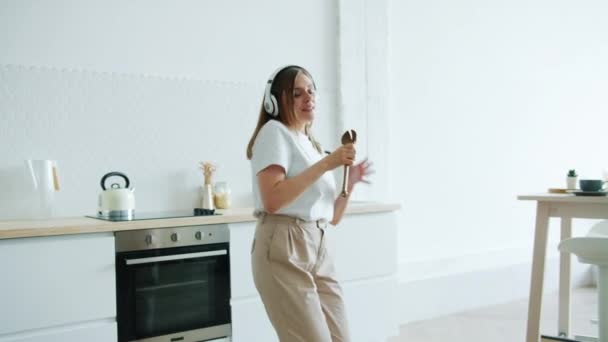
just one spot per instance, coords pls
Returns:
(363, 78)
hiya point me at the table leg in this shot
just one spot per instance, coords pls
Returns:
(538, 271)
(563, 323)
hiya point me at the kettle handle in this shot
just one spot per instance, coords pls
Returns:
(115, 173)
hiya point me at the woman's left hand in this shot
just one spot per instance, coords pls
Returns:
(358, 173)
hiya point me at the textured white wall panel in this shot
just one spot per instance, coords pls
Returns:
(153, 129)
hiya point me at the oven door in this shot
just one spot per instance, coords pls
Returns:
(174, 294)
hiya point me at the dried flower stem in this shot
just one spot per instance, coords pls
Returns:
(208, 170)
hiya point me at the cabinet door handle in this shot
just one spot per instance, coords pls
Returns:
(176, 257)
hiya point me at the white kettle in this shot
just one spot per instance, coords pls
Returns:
(116, 202)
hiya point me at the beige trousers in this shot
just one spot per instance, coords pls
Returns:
(294, 274)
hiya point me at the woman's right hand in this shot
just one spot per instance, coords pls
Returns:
(343, 155)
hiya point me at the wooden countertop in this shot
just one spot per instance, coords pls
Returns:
(83, 225)
(570, 198)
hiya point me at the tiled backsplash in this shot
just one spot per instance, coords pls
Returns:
(154, 129)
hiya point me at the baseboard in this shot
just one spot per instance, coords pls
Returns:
(440, 292)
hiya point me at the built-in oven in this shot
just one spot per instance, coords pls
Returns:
(173, 284)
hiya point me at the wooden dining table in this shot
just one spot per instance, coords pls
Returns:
(565, 207)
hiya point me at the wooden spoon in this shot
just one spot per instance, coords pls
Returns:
(349, 137)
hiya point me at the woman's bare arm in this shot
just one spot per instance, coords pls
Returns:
(277, 191)
(339, 208)
(357, 174)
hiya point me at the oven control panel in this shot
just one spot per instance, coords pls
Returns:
(169, 237)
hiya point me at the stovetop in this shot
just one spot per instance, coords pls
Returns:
(154, 215)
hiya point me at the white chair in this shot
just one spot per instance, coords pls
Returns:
(593, 249)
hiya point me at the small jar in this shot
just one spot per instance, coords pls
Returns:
(571, 182)
(221, 195)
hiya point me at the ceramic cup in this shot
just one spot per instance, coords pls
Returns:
(591, 184)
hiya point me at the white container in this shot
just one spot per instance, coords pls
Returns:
(207, 197)
(571, 183)
(44, 184)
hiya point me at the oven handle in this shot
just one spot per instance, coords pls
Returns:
(175, 257)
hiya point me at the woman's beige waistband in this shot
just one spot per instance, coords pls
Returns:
(265, 217)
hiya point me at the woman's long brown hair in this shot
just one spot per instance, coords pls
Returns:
(282, 89)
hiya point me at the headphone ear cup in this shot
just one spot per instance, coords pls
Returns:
(268, 105)
(275, 106)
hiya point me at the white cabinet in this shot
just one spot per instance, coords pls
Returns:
(365, 246)
(241, 279)
(97, 332)
(48, 282)
(249, 320)
(250, 323)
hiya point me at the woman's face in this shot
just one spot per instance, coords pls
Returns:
(304, 95)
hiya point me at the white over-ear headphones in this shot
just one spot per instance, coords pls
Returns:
(271, 105)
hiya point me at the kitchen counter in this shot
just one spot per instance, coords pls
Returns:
(52, 266)
(83, 225)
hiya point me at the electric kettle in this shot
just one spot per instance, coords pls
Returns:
(116, 201)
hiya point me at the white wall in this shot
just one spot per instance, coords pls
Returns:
(149, 88)
(491, 99)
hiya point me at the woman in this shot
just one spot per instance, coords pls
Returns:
(295, 197)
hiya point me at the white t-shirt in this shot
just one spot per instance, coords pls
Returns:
(277, 145)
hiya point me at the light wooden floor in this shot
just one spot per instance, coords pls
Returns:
(506, 322)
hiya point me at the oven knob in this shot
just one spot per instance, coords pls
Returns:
(149, 239)
(198, 235)
(174, 237)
